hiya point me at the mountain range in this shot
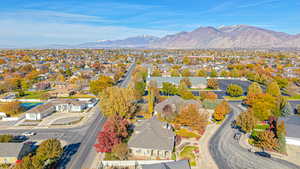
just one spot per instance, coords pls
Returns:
(236, 36)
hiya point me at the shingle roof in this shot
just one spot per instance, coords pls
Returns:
(174, 101)
(152, 134)
(182, 164)
(40, 108)
(10, 149)
(176, 80)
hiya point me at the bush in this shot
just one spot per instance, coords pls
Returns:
(187, 134)
(6, 138)
(234, 90)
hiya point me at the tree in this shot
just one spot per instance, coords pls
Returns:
(213, 73)
(169, 88)
(221, 110)
(115, 130)
(156, 72)
(201, 73)
(11, 108)
(191, 117)
(266, 140)
(168, 114)
(6, 138)
(234, 90)
(186, 60)
(186, 73)
(264, 106)
(212, 83)
(273, 89)
(175, 73)
(186, 81)
(140, 87)
(118, 101)
(184, 92)
(246, 121)
(208, 95)
(49, 149)
(253, 90)
(103, 82)
(120, 151)
(153, 93)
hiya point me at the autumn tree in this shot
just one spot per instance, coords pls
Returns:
(212, 83)
(120, 151)
(168, 113)
(11, 108)
(49, 149)
(201, 73)
(156, 72)
(186, 81)
(266, 140)
(221, 111)
(253, 90)
(153, 93)
(186, 73)
(6, 138)
(246, 121)
(191, 117)
(264, 106)
(208, 95)
(169, 88)
(114, 132)
(273, 89)
(234, 90)
(184, 92)
(175, 73)
(118, 101)
(103, 82)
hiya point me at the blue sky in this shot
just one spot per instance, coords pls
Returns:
(26, 23)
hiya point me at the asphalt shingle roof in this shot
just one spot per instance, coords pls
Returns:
(152, 134)
(182, 164)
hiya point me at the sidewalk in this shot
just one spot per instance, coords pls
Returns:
(292, 151)
(205, 160)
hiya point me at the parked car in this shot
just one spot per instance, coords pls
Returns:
(263, 154)
(28, 133)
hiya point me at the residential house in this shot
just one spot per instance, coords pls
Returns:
(175, 102)
(69, 105)
(181, 164)
(40, 111)
(12, 152)
(152, 139)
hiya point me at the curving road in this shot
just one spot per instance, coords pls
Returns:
(228, 154)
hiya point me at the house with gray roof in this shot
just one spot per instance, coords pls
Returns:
(12, 152)
(152, 139)
(292, 126)
(181, 164)
(175, 102)
(197, 82)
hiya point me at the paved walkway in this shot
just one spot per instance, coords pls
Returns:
(205, 160)
(292, 151)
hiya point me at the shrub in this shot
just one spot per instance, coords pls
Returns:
(234, 90)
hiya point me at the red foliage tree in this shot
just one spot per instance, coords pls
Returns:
(114, 132)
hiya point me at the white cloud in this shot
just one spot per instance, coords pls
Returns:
(33, 33)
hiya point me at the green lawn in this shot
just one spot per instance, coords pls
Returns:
(187, 134)
(187, 153)
(34, 94)
(234, 98)
(296, 97)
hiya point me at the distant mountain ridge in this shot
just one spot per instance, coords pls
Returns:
(236, 36)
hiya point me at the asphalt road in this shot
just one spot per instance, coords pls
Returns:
(228, 154)
(80, 151)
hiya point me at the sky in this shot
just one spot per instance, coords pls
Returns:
(25, 23)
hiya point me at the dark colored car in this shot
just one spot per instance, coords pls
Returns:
(263, 154)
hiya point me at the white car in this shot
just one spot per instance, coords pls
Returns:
(28, 133)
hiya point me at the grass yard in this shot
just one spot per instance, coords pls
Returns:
(34, 94)
(295, 97)
(188, 153)
(229, 98)
(187, 134)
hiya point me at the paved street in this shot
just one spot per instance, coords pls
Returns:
(80, 152)
(228, 154)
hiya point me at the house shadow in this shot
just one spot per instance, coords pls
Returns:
(68, 152)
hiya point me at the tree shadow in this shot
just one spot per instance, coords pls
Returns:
(68, 152)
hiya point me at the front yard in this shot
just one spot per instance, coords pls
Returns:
(188, 153)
